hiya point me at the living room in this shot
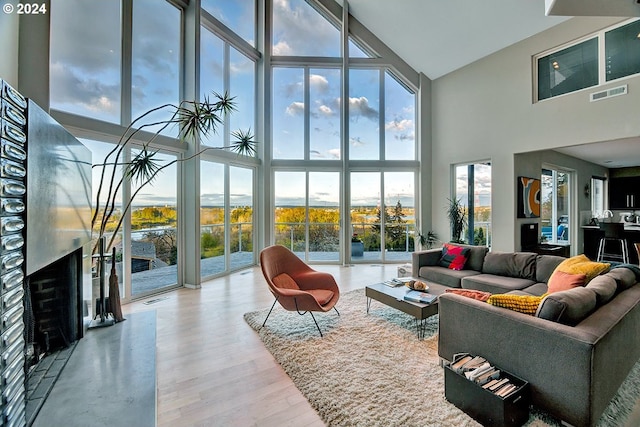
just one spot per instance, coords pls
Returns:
(480, 112)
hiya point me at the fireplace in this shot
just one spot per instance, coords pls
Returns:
(53, 307)
(45, 211)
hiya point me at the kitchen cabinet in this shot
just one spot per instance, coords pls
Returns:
(624, 192)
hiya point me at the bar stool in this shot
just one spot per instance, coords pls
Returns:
(613, 232)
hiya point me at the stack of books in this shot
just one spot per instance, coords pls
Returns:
(478, 370)
(417, 296)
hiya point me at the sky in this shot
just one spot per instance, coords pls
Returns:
(85, 76)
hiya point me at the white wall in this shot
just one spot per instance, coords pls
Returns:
(485, 111)
(9, 48)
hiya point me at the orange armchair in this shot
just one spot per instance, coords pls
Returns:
(295, 285)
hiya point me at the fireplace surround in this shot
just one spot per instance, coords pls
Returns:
(45, 211)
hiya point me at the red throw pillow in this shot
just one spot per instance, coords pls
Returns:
(561, 281)
(470, 293)
(453, 257)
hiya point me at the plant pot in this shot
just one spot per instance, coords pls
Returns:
(357, 249)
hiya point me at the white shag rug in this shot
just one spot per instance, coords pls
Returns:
(371, 369)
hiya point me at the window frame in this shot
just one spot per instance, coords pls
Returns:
(600, 36)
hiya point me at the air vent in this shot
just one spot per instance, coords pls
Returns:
(615, 91)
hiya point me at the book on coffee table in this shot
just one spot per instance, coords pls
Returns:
(417, 296)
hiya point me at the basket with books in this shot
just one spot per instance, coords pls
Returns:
(490, 395)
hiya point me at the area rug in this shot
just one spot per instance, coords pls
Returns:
(371, 369)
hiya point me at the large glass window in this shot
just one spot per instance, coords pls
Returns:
(324, 113)
(242, 82)
(288, 113)
(399, 126)
(241, 216)
(153, 253)
(622, 50)
(366, 215)
(86, 58)
(555, 215)
(299, 30)
(399, 204)
(212, 77)
(212, 218)
(307, 214)
(568, 70)
(290, 211)
(155, 68)
(473, 191)
(238, 15)
(364, 114)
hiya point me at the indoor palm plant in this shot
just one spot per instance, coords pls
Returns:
(194, 120)
(457, 218)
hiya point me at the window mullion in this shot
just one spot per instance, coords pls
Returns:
(307, 113)
(127, 61)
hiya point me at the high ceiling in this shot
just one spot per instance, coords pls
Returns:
(439, 36)
(436, 37)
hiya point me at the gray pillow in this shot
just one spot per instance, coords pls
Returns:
(545, 266)
(569, 307)
(624, 277)
(511, 264)
(605, 288)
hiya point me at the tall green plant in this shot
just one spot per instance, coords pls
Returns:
(194, 120)
(457, 218)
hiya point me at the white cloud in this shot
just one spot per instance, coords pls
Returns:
(282, 48)
(360, 107)
(334, 153)
(399, 125)
(325, 110)
(295, 108)
(319, 83)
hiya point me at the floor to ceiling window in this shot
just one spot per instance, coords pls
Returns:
(317, 139)
(555, 211)
(376, 157)
(473, 191)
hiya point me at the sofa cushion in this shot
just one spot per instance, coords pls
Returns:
(495, 284)
(444, 276)
(605, 288)
(624, 277)
(561, 281)
(470, 293)
(475, 260)
(527, 304)
(536, 289)
(569, 307)
(453, 257)
(511, 264)
(545, 266)
(580, 264)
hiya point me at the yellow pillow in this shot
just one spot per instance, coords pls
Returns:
(527, 304)
(580, 264)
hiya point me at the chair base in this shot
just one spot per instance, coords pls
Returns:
(300, 313)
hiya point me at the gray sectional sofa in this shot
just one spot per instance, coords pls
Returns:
(575, 352)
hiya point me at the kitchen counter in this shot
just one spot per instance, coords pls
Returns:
(627, 227)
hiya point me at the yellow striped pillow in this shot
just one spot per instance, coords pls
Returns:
(527, 304)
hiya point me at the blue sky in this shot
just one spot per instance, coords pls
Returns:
(85, 74)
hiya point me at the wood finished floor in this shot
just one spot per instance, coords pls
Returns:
(213, 370)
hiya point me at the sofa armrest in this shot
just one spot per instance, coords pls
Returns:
(423, 258)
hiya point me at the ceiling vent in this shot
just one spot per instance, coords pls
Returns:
(604, 94)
